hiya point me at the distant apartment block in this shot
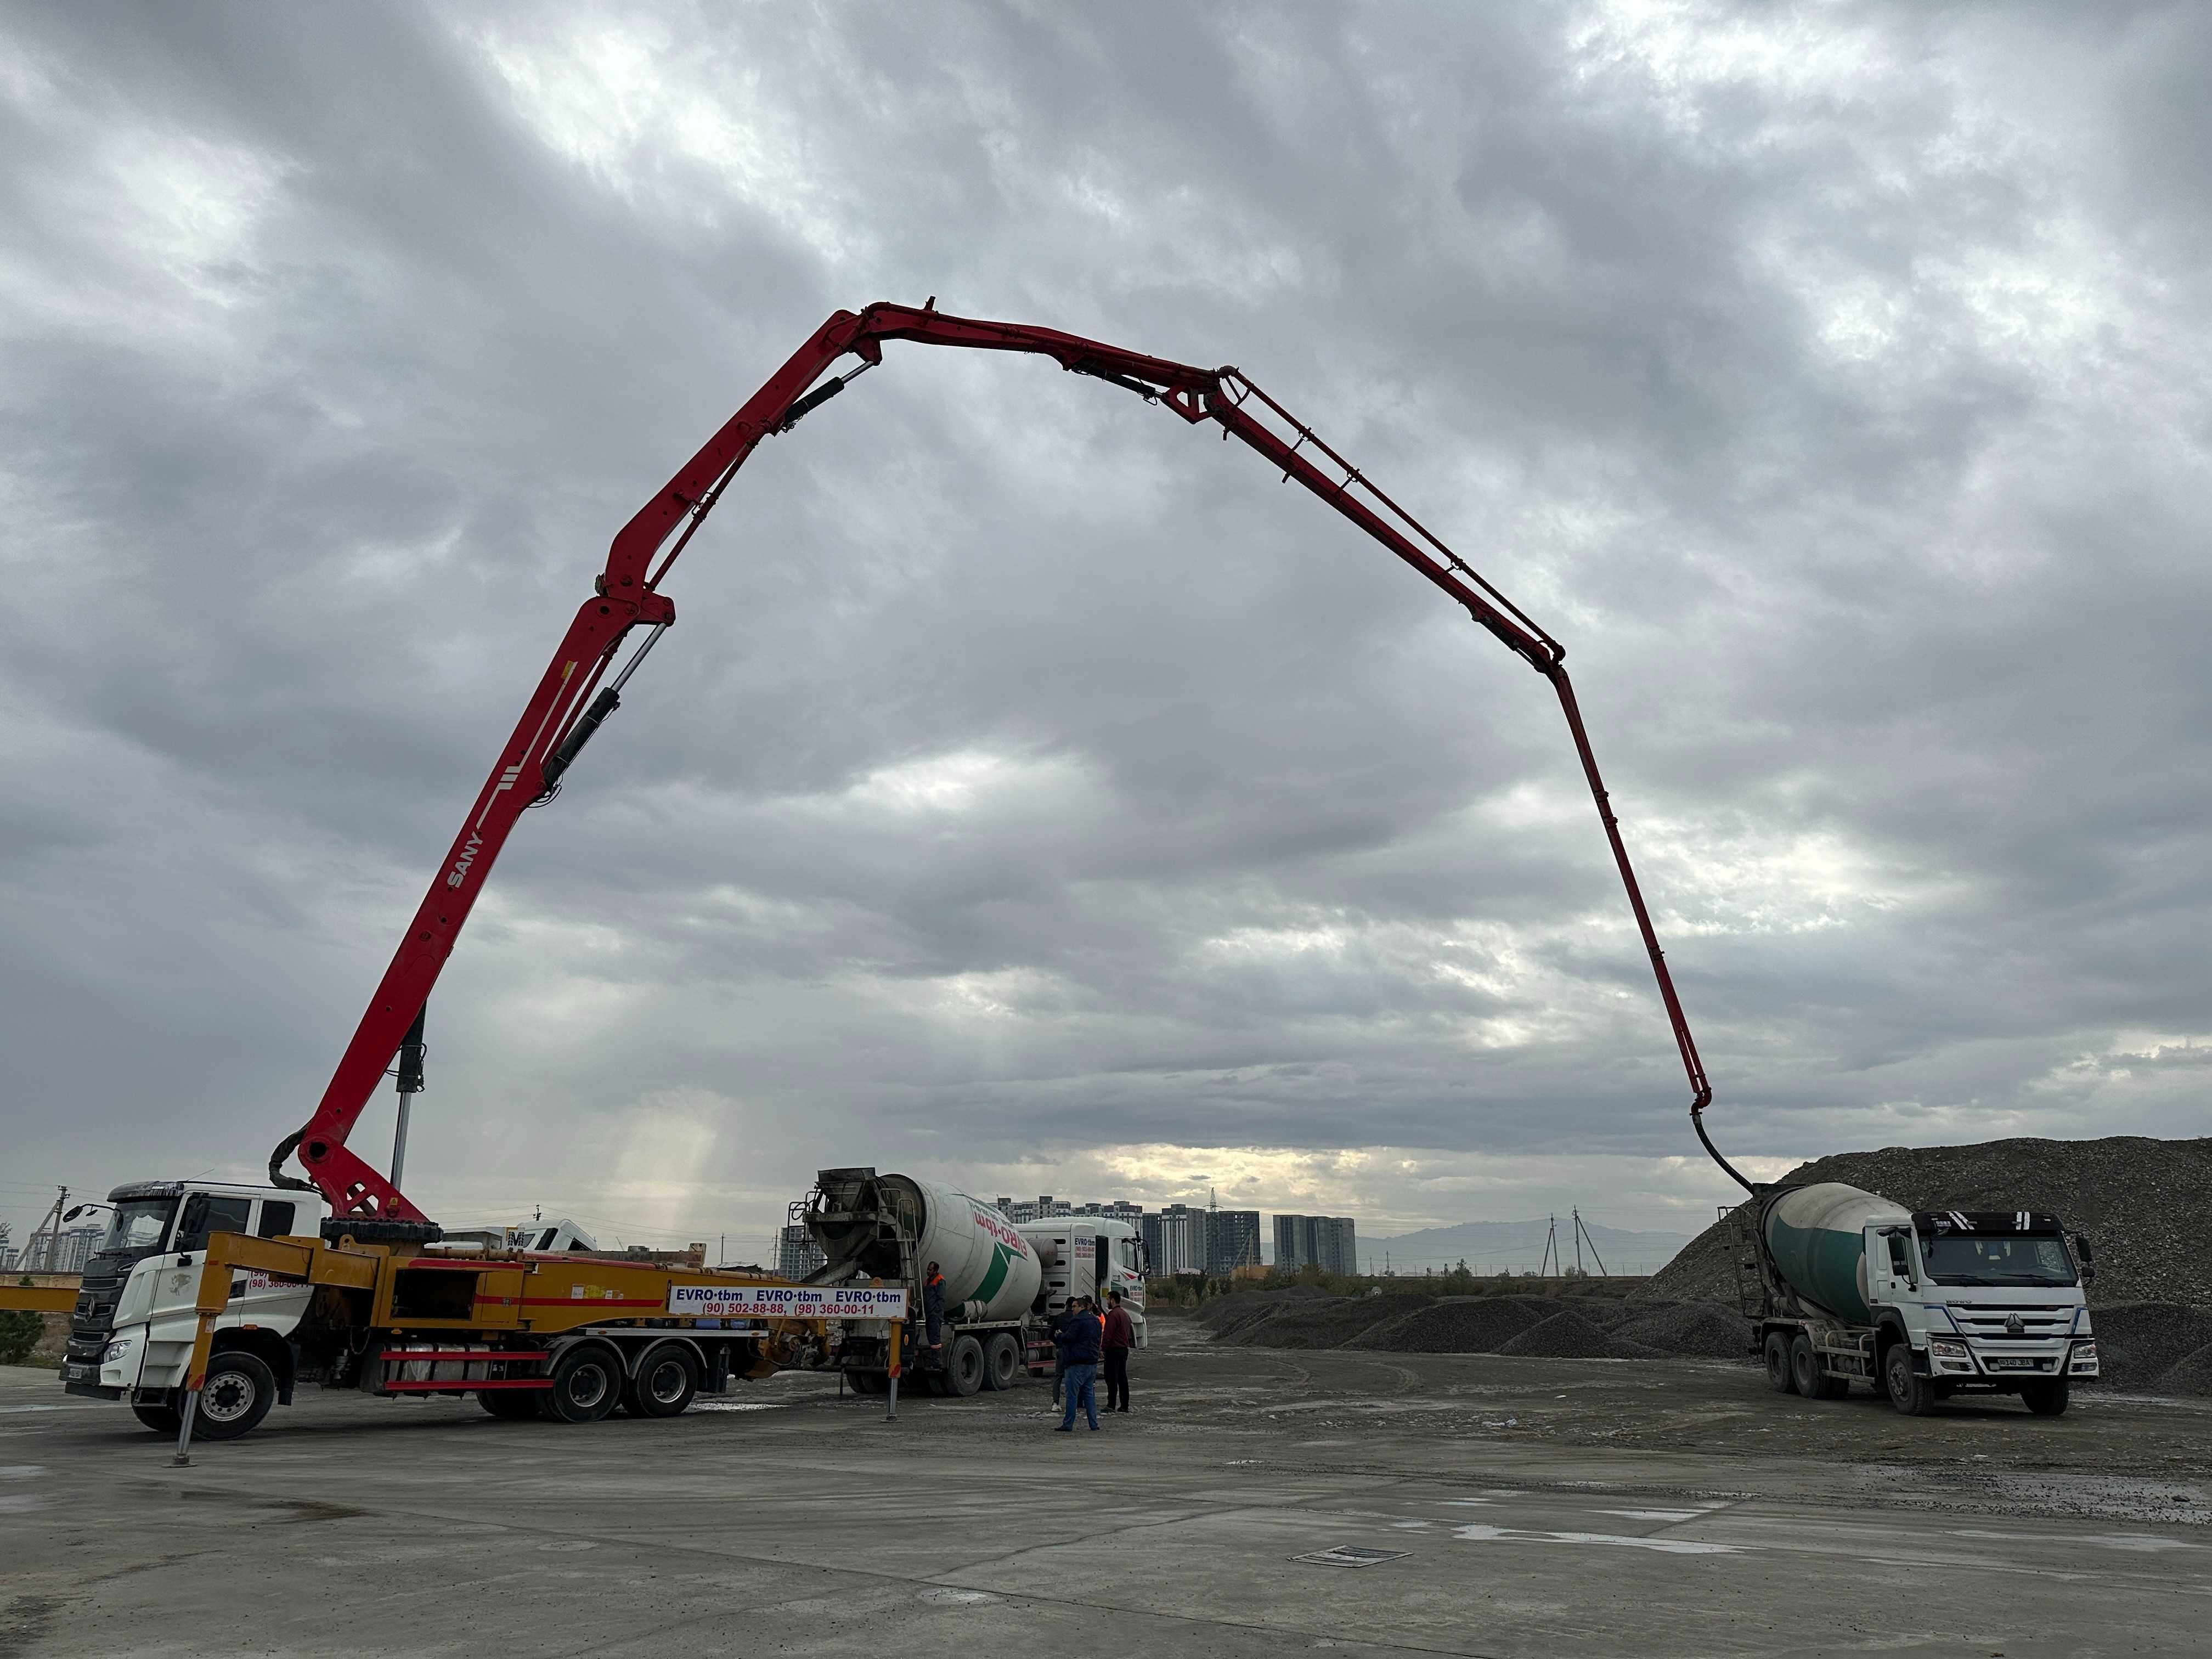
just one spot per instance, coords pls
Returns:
(1330, 1243)
(797, 1254)
(1232, 1240)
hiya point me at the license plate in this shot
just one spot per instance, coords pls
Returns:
(80, 1373)
(2014, 1364)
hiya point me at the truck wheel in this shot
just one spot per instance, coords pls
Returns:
(2047, 1396)
(509, 1405)
(163, 1418)
(238, 1392)
(1002, 1361)
(1806, 1375)
(963, 1368)
(868, 1381)
(586, 1386)
(1778, 1377)
(664, 1382)
(1909, 1392)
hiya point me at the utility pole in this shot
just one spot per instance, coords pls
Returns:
(52, 1227)
(1550, 1251)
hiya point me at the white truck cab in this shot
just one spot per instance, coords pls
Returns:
(1985, 1302)
(1090, 1256)
(132, 1331)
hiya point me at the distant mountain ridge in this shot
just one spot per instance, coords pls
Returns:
(1518, 1246)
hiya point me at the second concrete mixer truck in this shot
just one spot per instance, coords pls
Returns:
(1842, 1286)
(1002, 1282)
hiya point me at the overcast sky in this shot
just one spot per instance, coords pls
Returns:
(1033, 793)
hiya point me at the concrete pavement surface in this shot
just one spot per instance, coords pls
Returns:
(1520, 1508)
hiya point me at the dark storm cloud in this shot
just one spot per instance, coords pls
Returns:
(1028, 777)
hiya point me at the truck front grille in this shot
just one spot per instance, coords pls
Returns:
(1988, 1322)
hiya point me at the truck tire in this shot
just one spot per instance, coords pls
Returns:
(1778, 1375)
(586, 1386)
(963, 1369)
(1002, 1361)
(1806, 1375)
(2047, 1396)
(664, 1383)
(238, 1392)
(874, 1382)
(510, 1405)
(163, 1418)
(1909, 1392)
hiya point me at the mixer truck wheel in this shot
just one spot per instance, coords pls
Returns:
(1806, 1374)
(1909, 1392)
(1778, 1363)
(869, 1381)
(2047, 1397)
(963, 1368)
(1002, 1361)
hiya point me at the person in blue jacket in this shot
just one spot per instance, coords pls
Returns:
(1083, 1336)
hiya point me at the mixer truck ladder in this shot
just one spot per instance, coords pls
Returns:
(568, 705)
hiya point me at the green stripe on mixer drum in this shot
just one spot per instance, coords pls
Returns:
(1821, 1266)
(1000, 1257)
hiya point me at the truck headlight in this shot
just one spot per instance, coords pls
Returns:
(2084, 1362)
(1948, 1353)
(113, 1352)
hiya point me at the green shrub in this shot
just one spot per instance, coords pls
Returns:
(19, 1334)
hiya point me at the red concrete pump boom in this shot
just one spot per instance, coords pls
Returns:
(563, 712)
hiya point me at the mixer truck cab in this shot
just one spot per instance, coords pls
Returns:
(1918, 1306)
(1089, 1256)
(132, 1331)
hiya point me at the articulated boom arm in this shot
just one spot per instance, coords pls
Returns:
(563, 712)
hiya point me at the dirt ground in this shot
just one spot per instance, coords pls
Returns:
(2112, 1454)
(1511, 1508)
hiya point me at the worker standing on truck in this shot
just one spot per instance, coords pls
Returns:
(932, 1310)
(1119, 1336)
(1084, 1330)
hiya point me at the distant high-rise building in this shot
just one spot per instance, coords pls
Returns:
(797, 1254)
(1176, 1240)
(1232, 1240)
(1330, 1243)
(1121, 1210)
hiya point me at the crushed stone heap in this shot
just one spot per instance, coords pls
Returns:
(2144, 1204)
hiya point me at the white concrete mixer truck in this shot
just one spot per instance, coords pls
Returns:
(1002, 1283)
(1844, 1286)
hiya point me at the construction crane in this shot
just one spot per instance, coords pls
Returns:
(569, 704)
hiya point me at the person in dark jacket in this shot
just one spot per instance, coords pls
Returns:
(1059, 1328)
(933, 1311)
(1119, 1336)
(1082, 1379)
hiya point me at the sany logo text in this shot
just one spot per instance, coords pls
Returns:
(461, 864)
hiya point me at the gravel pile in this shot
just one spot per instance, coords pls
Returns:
(1459, 1324)
(1568, 1336)
(1326, 1323)
(1706, 1329)
(2141, 1201)
(2193, 1376)
(2141, 1346)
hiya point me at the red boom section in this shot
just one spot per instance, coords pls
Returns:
(626, 596)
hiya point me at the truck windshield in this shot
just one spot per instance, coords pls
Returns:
(138, 1224)
(1963, 1259)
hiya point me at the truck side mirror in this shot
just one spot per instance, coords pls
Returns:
(2088, 1255)
(1900, 1258)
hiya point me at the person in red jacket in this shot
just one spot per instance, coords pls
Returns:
(1121, 1336)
